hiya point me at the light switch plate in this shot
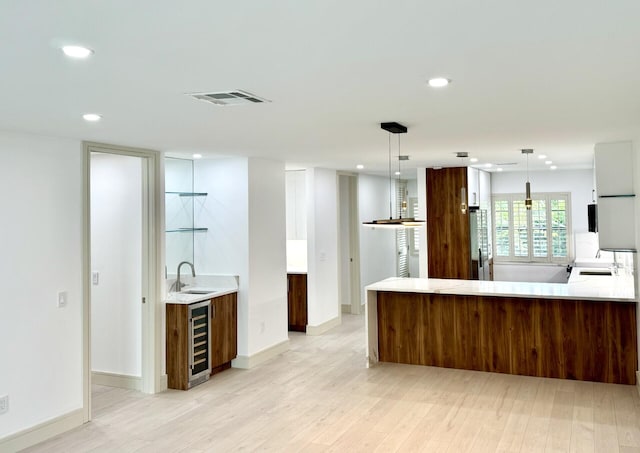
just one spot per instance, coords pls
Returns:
(95, 277)
(4, 404)
(62, 299)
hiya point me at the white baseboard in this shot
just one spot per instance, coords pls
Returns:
(164, 383)
(322, 328)
(246, 362)
(123, 381)
(41, 432)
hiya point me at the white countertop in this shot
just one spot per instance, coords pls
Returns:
(208, 287)
(579, 287)
(185, 298)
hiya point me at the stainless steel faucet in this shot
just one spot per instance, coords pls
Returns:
(179, 284)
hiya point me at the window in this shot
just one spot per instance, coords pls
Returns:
(539, 235)
(401, 235)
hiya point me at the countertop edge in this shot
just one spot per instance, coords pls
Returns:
(200, 298)
(462, 288)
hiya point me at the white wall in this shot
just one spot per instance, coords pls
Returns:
(245, 213)
(116, 254)
(296, 204)
(579, 183)
(41, 234)
(267, 317)
(323, 302)
(377, 245)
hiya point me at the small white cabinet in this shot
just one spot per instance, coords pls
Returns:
(473, 186)
(616, 198)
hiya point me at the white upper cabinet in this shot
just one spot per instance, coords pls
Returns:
(473, 186)
(616, 201)
(485, 189)
(614, 168)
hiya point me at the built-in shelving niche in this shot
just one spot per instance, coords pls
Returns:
(182, 203)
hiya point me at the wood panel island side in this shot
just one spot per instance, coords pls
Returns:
(568, 331)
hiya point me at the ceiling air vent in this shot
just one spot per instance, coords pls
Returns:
(235, 97)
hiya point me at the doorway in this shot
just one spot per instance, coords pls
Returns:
(349, 244)
(121, 339)
(116, 270)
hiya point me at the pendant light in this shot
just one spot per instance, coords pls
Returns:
(463, 190)
(527, 188)
(400, 222)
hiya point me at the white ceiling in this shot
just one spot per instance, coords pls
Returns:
(556, 76)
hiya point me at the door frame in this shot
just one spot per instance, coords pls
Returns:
(152, 265)
(354, 243)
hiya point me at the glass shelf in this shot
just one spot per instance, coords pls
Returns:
(188, 194)
(186, 230)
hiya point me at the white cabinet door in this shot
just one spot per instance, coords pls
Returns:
(473, 186)
(616, 203)
(614, 168)
(616, 223)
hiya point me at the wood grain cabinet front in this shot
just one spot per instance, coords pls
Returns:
(224, 331)
(297, 302)
(188, 353)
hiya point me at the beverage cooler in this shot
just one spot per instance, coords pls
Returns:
(199, 340)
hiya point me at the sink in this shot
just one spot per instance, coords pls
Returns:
(606, 273)
(198, 291)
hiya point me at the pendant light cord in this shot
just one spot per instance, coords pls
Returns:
(399, 208)
(390, 187)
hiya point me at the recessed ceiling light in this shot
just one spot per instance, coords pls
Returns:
(397, 173)
(542, 156)
(553, 167)
(359, 166)
(197, 156)
(439, 82)
(548, 162)
(91, 117)
(77, 51)
(488, 165)
(473, 159)
(499, 169)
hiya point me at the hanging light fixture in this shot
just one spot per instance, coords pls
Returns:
(463, 190)
(527, 188)
(400, 222)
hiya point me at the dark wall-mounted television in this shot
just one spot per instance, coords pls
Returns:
(592, 215)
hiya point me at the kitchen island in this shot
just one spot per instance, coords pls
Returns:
(584, 330)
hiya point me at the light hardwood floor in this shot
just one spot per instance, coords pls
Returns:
(319, 396)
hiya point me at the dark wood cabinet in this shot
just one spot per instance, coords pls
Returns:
(447, 226)
(297, 302)
(224, 331)
(187, 342)
(557, 338)
(188, 349)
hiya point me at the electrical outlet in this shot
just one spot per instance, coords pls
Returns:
(4, 404)
(62, 299)
(95, 277)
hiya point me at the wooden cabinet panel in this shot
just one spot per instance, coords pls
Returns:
(224, 331)
(447, 227)
(568, 339)
(297, 302)
(177, 348)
